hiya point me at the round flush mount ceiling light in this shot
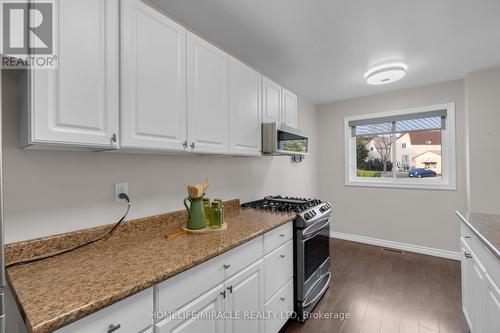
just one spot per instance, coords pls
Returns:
(386, 73)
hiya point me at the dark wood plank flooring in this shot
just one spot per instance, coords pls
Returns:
(388, 292)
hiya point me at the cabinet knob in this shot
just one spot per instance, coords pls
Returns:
(226, 266)
(112, 328)
(185, 144)
(192, 145)
(467, 237)
(282, 299)
(282, 235)
(223, 294)
(230, 288)
(467, 255)
(282, 255)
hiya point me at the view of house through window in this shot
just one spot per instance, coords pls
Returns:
(400, 146)
(401, 155)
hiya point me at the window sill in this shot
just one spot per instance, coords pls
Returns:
(422, 184)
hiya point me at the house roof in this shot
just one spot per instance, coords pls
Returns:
(435, 152)
(425, 138)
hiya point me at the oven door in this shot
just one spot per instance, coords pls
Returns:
(313, 256)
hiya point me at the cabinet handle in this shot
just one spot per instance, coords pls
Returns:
(112, 328)
(113, 138)
(282, 299)
(282, 255)
(223, 294)
(282, 235)
(230, 288)
(226, 266)
(185, 144)
(467, 237)
(192, 145)
(467, 255)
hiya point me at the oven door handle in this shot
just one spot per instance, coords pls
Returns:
(307, 233)
(320, 293)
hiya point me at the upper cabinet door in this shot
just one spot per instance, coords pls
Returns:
(289, 109)
(207, 102)
(153, 79)
(77, 104)
(271, 101)
(244, 109)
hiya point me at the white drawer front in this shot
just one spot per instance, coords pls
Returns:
(186, 286)
(278, 268)
(278, 236)
(242, 256)
(133, 314)
(281, 307)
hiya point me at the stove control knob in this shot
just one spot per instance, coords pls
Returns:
(307, 216)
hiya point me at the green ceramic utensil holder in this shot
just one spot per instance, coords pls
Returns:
(196, 213)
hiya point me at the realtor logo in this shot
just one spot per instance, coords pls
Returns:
(27, 34)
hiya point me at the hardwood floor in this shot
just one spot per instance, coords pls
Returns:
(388, 292)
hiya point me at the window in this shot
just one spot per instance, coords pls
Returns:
(412, 148)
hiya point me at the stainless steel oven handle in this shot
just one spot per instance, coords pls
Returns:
(320, 293)
(307, 233)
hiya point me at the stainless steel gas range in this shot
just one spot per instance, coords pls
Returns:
(312, 266)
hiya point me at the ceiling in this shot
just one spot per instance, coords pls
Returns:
(321, 48)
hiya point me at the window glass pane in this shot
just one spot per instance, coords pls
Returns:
(373, 129)
(374, 156)
(421, 157)
(420, 124)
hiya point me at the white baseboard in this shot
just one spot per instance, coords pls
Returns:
(399, 246)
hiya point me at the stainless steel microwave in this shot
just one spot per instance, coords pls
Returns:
(283, 140)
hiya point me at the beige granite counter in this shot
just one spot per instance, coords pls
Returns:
(55, 292)
(486, 227)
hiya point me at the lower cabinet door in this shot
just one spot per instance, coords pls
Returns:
(492, 313)
(201, 315)
(245, 300)
(477, 276)
(279, 308)
(466, 282)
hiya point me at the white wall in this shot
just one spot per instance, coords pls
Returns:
(483, 113)
(48, 192)
(418, 217)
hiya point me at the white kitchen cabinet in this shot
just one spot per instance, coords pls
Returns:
(477, 284)
(210, 302)
(271, 101)
(207, 96)
(279, 268)
(280, 304)
(77, 104)
(133, 314)
(492, 305)
(289, 112)
(466, 281)
(480, 277)
(278, 104)
(153, 79)
(245, 295)
(244, 109)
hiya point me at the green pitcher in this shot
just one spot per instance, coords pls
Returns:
(196, 213)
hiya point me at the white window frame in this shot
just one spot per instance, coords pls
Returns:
(448, 179)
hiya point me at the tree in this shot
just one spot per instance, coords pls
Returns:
(383, 145)
(361, 151)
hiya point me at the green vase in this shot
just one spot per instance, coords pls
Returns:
(196, 219)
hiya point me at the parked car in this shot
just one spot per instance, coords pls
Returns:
(421, 172)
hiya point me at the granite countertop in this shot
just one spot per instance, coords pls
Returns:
(486, 227)
(55, 292)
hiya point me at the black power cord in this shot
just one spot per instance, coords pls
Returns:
(53, 254)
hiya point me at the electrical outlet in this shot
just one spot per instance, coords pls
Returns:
(120, 188)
